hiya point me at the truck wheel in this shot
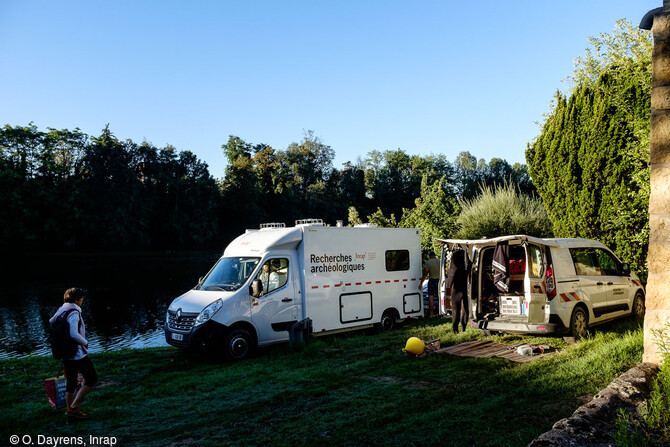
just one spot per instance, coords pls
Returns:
(638, 307)
(239, 344)
(579, 323)
(388, 321)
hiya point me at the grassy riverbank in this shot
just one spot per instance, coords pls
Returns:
(356, 389)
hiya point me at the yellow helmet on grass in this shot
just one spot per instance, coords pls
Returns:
(414, 346)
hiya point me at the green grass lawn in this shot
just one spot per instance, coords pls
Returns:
(347, 390)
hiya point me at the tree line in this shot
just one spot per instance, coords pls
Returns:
(63, 189)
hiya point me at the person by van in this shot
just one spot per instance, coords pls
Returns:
(431, 269)
(457, 281)
(80, 363)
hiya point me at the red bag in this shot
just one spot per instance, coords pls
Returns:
(55, 388)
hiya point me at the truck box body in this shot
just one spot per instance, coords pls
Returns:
(340, 278)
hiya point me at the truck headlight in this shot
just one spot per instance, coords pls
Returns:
(208, 312)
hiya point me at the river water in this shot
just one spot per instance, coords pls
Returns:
(126, 300)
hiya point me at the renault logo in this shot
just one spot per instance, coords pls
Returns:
(179, 314)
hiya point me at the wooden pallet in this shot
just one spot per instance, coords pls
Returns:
(487, 349)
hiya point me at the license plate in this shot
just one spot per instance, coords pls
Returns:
(177, 337)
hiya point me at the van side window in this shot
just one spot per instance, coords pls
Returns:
(535, 264)
(585, 261)
(273, 274)
(608, 264)
(397, 260)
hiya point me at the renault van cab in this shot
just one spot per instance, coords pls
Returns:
(524, 284)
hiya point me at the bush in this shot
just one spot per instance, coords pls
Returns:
(502, 211)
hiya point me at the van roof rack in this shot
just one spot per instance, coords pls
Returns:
(273, 225)
(312, 222)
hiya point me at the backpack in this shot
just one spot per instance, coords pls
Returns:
(62, 345)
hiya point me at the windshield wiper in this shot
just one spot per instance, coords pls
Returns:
(215, 288)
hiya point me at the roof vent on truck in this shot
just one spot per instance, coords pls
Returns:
(273, 225)
(310, 222)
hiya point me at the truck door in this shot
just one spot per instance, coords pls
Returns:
(278, 307)
(591, 281)
(618, 296)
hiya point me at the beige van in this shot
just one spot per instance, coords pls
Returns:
(524, 284)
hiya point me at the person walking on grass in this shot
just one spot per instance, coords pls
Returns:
(80, 363)
(431, 269)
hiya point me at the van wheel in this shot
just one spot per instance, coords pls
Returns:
(638, 307)
(239, 344)
(388, 321)
(579, 323)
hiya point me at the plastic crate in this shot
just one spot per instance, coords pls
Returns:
(510, 305)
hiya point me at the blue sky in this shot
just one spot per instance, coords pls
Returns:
(428, 77)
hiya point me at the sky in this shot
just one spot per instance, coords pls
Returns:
(427, 77)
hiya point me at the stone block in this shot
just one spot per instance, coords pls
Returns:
(660, 98)
(660, 151)
(654, 320)
(660, 67)
(658, 285)
(659, 200)
(661, 27)
(660, 129)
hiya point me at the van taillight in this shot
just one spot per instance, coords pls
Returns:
(551, 284)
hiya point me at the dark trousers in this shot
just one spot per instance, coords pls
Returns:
(459, 299)
(72, 370)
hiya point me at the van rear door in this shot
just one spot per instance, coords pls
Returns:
(536, 292)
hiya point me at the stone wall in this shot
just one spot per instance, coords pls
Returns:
(658, 286)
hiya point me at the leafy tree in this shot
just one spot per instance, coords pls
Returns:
(502, 211)
(353, 219)
(378, 218)
(591, 162)
(435, 214)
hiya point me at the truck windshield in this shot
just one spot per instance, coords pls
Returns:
(229, 274)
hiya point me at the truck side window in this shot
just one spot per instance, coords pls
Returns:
(585, 261)
(397, 260)
(273, 274)
(608, 264)
(535, 265)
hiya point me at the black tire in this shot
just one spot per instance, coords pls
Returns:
(387, 322)
(239, 344)
(638, 308)
(579, 323)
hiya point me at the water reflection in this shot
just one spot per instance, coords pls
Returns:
(127, 296)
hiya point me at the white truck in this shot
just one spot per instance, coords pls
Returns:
(309, 279)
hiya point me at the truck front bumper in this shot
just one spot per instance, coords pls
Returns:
(199, 337)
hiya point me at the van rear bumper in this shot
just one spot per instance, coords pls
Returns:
(517, 327)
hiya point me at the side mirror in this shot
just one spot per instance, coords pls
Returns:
(256, 288)
(625, 270)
